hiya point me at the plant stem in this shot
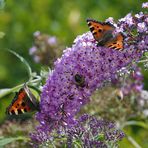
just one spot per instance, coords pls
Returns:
(133, 142)
(143, 61)
(137, 123)
(8, 91)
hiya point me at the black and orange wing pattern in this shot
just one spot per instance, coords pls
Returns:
(102, 33)
(116, 43)
(24, 101)
(99, 29)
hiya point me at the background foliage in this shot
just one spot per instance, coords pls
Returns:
(61, 18)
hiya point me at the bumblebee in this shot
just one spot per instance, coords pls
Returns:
(79, 80)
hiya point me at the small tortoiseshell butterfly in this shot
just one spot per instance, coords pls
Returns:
(102, 33)
(24, 101)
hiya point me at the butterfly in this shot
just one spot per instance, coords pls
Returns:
(24, 101)
(103, 34)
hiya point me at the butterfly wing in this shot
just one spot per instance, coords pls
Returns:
(116, 43)
(32, 98)
(99, 29)
(102, 33)
(21, 104)
(107, 36)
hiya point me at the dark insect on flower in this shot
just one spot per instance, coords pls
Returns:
(24, 101)
(79, 80)
(71, 97)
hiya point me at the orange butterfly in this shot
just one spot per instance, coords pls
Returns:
(24, 101)
(102, 33)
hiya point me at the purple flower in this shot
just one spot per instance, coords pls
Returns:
(52, 41)
(37, 33)
(142, 27)
(145, 5)
(132, 84)
(110, 20)
(32, 50)
(87, 131)
(81, 70)
(36, 59)
(62, 96)
(44, 48)
(140, 15)
(94, 133)
(128, 19)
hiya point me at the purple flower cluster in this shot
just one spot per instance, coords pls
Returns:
(133, 83)
(87, 131)
(44, 48)
(93, 132)
(83, 68)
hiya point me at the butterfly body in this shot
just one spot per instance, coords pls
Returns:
(103, 34)
(105, 38)
(24, 101)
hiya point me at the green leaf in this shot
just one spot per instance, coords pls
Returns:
(133, 142)
(44, 73)
(4, 141)
(100, 137)
(137, 123)
(146, 53)
(4, 92)
(25, 62)
(7, 91)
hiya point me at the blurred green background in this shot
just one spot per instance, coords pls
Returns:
(19, 19)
